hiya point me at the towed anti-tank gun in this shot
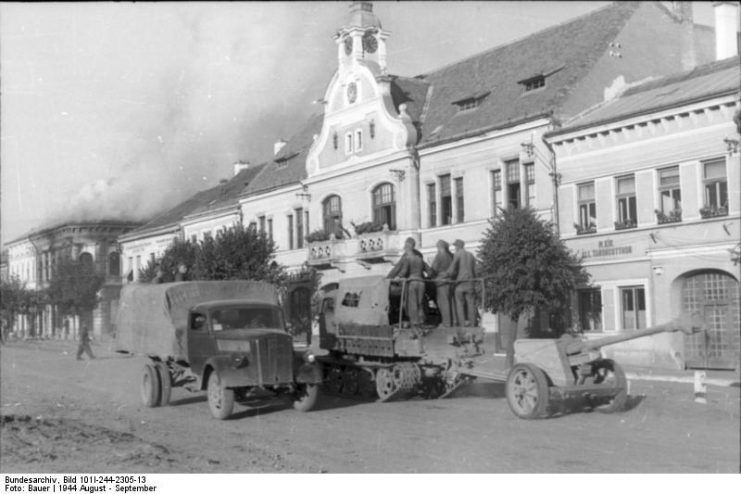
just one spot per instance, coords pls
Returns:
(373, 352)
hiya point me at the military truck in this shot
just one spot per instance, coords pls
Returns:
(225, 337)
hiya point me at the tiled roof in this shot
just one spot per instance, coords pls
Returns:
(202, 201)
(289, 166)
(557, 51)
(229, 193)
(411, 91)
(707, 81)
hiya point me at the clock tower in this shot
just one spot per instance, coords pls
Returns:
(362, 38)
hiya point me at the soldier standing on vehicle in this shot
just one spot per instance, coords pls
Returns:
(440, 265)
(463, 271)
(412, 267)
(84, 343)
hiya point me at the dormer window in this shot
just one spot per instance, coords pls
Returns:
(534, 83)
(471, 102)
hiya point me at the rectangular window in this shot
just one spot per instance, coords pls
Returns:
(716, 185)
(529, 169)
(512, 169)
(358, 140)
(431, 205)
(633, 307)
(669, 190)
(151, 257)
(194, 238)
(299, 227)
(207, 235)
(348, 143)
(459, 214)
(261, 222)
(306, 221)
(626, 202)
(587, 208)
(496, 191)
(290, 232)
(270, 229)
(138, 267)
(590, 309)
(446, 200)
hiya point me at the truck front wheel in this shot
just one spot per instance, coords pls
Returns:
(220, 399)
(150, 386)
(306, 397)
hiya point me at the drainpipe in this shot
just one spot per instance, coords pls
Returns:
(556, 177)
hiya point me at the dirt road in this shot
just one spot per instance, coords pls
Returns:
(62, 415)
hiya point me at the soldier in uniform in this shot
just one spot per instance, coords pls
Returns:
(463, 271)
(440, 265)
(412, 267)
(84, 343)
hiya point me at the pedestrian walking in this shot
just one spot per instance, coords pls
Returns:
(441, 263)
(463, 271)
(84, 343)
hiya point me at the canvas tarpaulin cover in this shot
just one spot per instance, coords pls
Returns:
(152, 319)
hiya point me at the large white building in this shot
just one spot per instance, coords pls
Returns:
(435, 155)
(650, 194)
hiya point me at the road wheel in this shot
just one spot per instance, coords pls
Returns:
(307, 394)
(350, 381)
(609, 373)
(366, 386)
(527, 391)
(385, 384)
(150, 386)
(165, 382)
(220, 399)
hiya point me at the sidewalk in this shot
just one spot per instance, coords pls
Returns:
(713, 377)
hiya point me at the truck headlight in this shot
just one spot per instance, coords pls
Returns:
(239, 360)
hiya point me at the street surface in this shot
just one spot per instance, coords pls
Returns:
(62, 415)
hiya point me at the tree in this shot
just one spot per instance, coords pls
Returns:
(15, 299)
(235, 254)
(177, 253)
(74, 286)
(527, 268)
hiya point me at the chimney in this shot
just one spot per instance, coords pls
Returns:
(726, 29)
(279, 144)
(240, 165)
(683, 13)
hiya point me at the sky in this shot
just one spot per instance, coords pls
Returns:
(122, 110)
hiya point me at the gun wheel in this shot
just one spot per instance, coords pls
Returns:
(150, 386)
(608, 373)
(527, 391)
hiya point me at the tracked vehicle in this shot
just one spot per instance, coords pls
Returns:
(374, 353)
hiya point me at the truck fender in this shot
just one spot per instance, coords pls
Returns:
(309, 373)
(211, 365)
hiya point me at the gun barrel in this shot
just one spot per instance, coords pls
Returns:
(695, 325)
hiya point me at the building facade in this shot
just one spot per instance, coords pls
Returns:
(649, 195)
(32, 259)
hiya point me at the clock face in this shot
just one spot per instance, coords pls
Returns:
(352, 92)
(370, 43)
(348, 45)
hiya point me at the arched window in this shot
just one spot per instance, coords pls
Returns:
(332, 214)
(114, 264)
(86, 258)
(384, 206)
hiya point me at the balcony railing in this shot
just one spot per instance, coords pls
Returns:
(365, 246)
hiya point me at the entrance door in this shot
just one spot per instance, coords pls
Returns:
(715, 295)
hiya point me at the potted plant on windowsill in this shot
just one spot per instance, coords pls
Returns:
(625, 224)
(674, 216)
(322, 235)
(708, 211)
(584, 230)
(368, 227)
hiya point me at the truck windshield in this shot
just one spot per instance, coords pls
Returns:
(246, 318)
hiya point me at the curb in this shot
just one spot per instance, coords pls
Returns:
(683, 379)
